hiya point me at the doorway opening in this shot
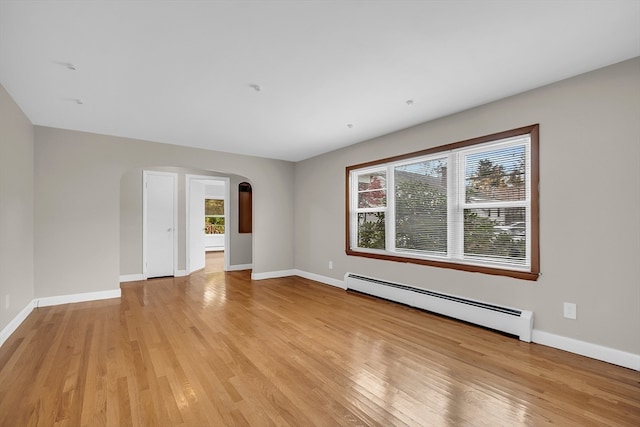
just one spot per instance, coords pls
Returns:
(237, 248)
(207, 212)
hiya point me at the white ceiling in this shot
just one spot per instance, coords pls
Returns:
(181, 72)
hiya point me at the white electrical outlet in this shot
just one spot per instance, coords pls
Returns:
(570, 310)
(330, 265)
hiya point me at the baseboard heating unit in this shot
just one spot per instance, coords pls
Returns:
(505, 319)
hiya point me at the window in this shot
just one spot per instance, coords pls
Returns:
(470, 205)
(213, 216)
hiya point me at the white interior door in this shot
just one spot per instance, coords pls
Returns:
(160, 224)
(196, 230)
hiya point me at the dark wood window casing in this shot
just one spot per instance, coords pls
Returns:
(534, 269)
(245, 208)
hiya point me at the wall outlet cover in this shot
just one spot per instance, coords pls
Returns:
(570, 310)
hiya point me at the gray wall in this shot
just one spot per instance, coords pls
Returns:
(78, 180)
(240, 251)
(131, 222)
(16, 209)
(589, 197)
(241, 243)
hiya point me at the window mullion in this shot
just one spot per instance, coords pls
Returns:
(528, 199)
(454, 212)
(390, 215)
(353, 218)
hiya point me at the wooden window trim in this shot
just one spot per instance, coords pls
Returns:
(534, 272)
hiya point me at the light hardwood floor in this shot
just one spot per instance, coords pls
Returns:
(214, 261)
(217, 349)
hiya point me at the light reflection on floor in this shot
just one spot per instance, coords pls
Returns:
(450, 396)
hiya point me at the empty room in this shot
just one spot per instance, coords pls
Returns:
(319, 213)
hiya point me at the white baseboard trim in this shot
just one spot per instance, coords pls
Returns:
(180, 273)
(49, 301)
(239, 267)
(273, 274)
(131, 277)
(69, 299)
(13, 325)
(594, 351)
(322, 279)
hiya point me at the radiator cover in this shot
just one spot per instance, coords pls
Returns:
(506, 319)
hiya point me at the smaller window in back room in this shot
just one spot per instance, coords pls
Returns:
(214, 216)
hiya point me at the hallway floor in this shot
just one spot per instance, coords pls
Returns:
(214, 262)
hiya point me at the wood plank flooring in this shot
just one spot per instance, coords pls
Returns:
(217, 349)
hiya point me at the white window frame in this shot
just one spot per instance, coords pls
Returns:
(223, 216)
(462, 204)
(358, 210)
(456, 155)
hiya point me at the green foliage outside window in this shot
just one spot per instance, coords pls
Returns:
(481, 238)
(371, 230)
(214, 225)
(213, 207)
(214, 216)
(421, 217)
